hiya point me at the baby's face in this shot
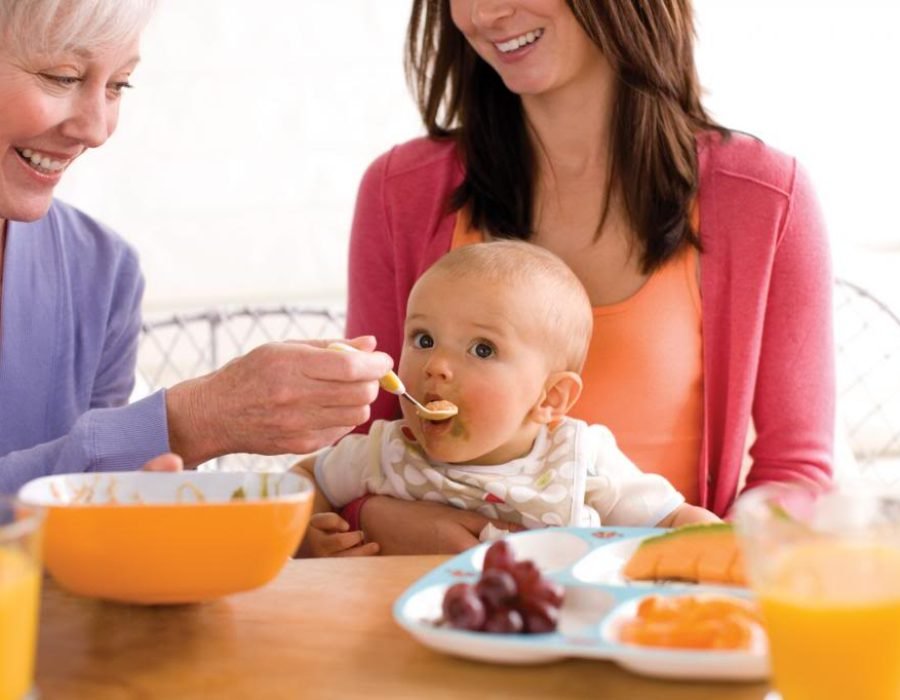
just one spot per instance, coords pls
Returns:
(476, 344)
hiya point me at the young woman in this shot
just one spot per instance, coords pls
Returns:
(578, 126)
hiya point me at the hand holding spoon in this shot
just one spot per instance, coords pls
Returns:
(436, 410)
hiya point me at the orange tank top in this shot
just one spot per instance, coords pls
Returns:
(649, 394)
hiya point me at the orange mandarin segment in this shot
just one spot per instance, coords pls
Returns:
(692, 622)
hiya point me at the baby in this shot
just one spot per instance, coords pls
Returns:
(501, 330)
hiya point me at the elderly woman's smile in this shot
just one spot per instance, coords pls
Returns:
(43, 162)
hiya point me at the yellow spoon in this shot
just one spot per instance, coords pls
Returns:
(391, 383)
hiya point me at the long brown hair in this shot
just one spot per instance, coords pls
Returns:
(657, 115)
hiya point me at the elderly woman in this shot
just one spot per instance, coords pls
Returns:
(70, 289)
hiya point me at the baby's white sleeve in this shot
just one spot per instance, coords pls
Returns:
(344, 472)
(620, 492)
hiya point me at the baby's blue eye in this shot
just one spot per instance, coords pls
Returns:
(483, 350)
(423, 341)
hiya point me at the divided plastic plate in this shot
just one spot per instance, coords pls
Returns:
(588, 563)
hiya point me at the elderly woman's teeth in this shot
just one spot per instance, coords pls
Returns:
(40, 162)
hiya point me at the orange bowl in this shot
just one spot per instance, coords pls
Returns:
(142, 537)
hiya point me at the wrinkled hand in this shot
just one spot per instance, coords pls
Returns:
(423, 527)
(168, 462)
(329, 536)
(288, 397)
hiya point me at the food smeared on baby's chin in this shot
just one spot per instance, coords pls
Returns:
(458, 429)
(443, 439)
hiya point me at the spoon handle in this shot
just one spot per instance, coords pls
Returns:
(390, 382)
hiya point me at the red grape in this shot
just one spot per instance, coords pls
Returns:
(540, 616)
(499, 556)
(526, 575)
(544, 589)
(504, 621)
(496, 588)
(509, 597)
(463, 608)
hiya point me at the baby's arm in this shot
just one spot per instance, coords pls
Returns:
(624, 495)
(329, 534)
(685, 514)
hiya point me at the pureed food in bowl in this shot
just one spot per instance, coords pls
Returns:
(143, 537)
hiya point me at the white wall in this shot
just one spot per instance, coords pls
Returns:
(238, 156)
(817, 78)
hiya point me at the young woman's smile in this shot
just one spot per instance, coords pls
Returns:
(518, 47)
(536, 46)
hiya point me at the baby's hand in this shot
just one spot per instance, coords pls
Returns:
(686, 514)
(329, 536)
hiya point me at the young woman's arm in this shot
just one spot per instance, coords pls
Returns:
(794, 403)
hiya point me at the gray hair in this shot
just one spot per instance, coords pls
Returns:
(36, 27)
(563, 309)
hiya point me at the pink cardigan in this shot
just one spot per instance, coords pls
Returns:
(765, 284)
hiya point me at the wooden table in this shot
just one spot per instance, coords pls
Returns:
(322, 629)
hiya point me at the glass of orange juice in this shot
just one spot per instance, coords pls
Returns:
(826, 570)
(20, 584)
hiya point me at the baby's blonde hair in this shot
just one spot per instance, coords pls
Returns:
(563, 311)
(30, 28)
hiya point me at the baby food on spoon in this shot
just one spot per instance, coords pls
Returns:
(438, 410)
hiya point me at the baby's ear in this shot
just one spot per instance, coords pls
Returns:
(561, 391)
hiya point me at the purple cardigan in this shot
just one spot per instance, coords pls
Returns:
(765, 284)
(70, 320)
